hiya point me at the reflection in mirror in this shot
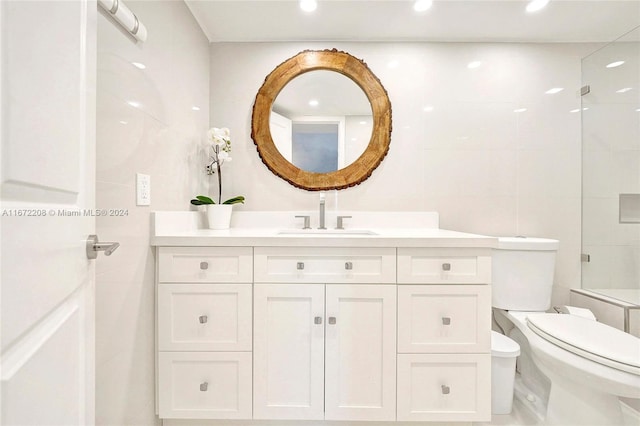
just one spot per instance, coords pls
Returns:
(321, 121)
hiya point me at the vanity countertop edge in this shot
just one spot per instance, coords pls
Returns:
(185, 230)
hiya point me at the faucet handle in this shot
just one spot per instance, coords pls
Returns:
(307, 221)
(340, 220)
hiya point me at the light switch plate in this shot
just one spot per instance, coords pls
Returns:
(143, 189)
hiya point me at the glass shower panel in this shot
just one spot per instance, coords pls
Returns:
(611, 169)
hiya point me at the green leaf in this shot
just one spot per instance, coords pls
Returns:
(196, 202)
(205, 200)
(235, 200)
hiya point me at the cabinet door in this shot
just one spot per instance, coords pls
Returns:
(444, 266)
(204, 317)
(204, 385)
(205, 264)
(360, 352)
(444, 387)
(444, 318)
(345, 265)
(288, 352)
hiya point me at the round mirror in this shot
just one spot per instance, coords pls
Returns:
(322, 121)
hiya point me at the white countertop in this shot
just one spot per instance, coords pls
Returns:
(402, 229)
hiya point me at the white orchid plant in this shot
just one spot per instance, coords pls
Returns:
(220, 144)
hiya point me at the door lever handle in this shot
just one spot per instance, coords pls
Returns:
(94, 246)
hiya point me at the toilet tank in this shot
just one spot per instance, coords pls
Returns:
(522, 273)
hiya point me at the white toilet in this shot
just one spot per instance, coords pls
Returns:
(588, 364)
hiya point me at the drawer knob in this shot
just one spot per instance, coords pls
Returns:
(204, 387)
(203, 319)
(317, 320)
(348, 266)
(446, 321)
(446, 390)
(446, 266)
(204, 265)
(332, 320)
(300, 266)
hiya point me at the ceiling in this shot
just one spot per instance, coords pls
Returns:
(395, 20)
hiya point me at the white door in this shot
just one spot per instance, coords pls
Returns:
(360, 355)
(47, 91)
(288, 351)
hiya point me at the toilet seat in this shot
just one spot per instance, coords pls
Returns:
(589, 339)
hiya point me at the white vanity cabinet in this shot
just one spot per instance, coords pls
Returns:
(204, 308)
(444, 340)
(323, 333)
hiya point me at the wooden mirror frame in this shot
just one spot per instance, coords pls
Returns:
(356, 70)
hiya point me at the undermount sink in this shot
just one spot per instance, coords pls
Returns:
(331, 232)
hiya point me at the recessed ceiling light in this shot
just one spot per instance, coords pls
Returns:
(124, 122)
(474, 64)
(313, 102)
(520, 110)
(536, 5)
(195, 108)
(422, 5)
(554, 90)
(139, 65)
(308, 5)
(584, 109)
(615, 64)
(393, 64)
(624, 90)
(428, 108)
(363, 122)
(575, 110)
(134, 104)
(638, 109)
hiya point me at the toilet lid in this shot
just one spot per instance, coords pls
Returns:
(590, 339)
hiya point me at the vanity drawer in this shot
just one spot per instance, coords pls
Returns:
(205, 264)
(444, 387)
(324, 265)
(204, 317)
(204, 385)
(444, 318)
(442, 265)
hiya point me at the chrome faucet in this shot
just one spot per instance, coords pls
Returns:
(322, 212)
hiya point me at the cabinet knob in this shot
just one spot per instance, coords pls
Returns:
(203, 319)
(204, 386)
(348, 266)
(204, 265)
(332, 320)
(446, 390)
(317, 320)
(446, 321)
(446, 266)
(300, 266)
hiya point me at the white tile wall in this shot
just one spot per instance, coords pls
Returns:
(162, 138)
(483, 167)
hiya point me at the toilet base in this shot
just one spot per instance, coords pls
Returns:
(581, 406)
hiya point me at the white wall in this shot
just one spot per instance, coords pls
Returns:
(482, 166)
(161, 138)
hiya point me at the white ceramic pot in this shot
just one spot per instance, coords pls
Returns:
(219, 215)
